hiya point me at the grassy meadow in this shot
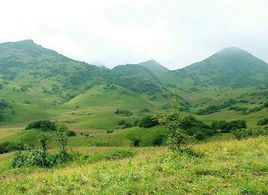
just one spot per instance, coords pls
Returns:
(216, 167)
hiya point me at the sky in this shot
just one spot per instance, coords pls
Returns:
(176, 33)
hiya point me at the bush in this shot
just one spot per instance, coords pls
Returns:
(44, 125)
(124, 112)
(109, 131)
(124, 124)
(200, 135)
(3, 104)
(136, 141)
(159, 140)
(30, 158)
(119, 154)
(178, 141)
(37, 157)
(245, 133)
(148, 121)
(11, 146)
(262, 122)
(70, 133)
(209, 110)
(226, 127)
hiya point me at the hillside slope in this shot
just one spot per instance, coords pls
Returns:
(230, 67)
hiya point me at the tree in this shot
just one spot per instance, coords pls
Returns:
(62, 139)
(177, 140)
(43, 142)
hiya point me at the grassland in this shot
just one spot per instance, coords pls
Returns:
(223, 167)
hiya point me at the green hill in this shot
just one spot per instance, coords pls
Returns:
(154, 67)
(230, 67)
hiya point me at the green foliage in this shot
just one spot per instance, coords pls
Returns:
(148, 121)
(124, 112)
(209, 110)
(11, 146)
(70, 133)
(252, 132)
(28, 158)
(39, 156)
(159, 140)
(262, 122)
(124, 124)
(109, 131)
(177, 141)
(44, 125)
(225, 127)
(136, 141)
(61, 133)
(3, 104)
(43, 141)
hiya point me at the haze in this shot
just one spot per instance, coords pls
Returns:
(174, 32)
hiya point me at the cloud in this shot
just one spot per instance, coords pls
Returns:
(174, 32)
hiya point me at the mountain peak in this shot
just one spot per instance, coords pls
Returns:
(232, 51)
(153, 66)
(29, 41)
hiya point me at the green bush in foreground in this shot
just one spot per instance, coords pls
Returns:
(39, 155)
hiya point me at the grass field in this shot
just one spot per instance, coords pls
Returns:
(222, 167)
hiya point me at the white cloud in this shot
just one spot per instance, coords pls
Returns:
(174, 32)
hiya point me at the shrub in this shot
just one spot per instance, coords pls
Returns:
(245, 133)
(136, 141)
(70, 133)
(124, 112)
(262, 122)
(159, 140)
(28, 158)
(37, 157)
(118, 154)
(3, 104)
(44, 125)
(209, 110)
(148, 121)
(109, 131)
(11, 146)
(177, 141)
(226, 127)
(124, 124)
(200, 135)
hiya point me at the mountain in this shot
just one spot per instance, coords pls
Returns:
(26, 66)
(30, 68)
(154, 67)
(136, 78)
(230, 67)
